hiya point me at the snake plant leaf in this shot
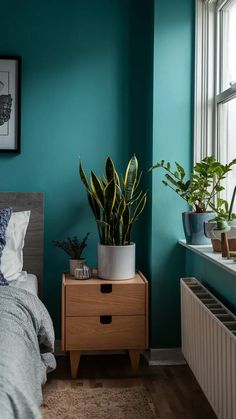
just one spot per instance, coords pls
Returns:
(139, 209)
(94, 206)
(97, 189)
(105, 231)
(138, 180)
(126, 225)
(96, 211)
(120, 210)
(131, 177)
(126, 215)
(119, 193)
(110, 169)
(118, 234)
(109, 198)
(135, 198)
(83, 177)
(117, 180)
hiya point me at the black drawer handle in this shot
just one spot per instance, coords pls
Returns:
(106, 288)
(105, 319)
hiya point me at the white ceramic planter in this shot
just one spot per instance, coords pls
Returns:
(116, 262)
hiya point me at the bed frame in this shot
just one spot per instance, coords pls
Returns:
(33, 248)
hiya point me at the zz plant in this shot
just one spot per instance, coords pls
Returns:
(116, 201)
(203, 185)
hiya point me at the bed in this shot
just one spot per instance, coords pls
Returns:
(26, 330)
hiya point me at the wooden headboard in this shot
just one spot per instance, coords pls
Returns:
(33, 248)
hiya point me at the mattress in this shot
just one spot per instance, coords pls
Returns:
(28, 283)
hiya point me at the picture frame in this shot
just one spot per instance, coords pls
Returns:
(10, 79)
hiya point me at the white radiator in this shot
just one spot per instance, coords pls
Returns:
(209, 345)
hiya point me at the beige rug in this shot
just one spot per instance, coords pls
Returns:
(98, 403)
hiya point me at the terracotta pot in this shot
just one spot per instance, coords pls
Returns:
(216, 244)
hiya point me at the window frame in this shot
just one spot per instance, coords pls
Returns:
(208, 78)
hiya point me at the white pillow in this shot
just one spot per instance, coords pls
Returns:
(12, 255)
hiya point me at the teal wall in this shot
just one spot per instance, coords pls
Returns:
(141, 109)
(172, 141)
(78, 82)
(216, 279)
(102, 77)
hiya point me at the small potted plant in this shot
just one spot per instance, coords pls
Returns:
(116, 203)
(224, 212)
(199, 191)
(74, 247)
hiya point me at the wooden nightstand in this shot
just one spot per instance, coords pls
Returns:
(104, 314)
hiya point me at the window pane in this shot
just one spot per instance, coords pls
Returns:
(228, 64)
(227, 141)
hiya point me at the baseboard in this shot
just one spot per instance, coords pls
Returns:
(164, 356)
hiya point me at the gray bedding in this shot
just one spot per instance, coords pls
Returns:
(26, 353)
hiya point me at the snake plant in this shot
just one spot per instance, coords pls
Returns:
(115, 201)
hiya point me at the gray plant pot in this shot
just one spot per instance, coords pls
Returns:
(193, 224)
(116, 262)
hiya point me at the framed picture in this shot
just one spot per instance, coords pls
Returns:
(10, 70)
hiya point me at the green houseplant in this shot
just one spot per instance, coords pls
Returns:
(116, 203)
(74, 247)
(224, 212)
(199, 190)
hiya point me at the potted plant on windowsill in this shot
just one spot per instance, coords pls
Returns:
(116, 202)
(74, 247)
(199, 191)
(224, 212)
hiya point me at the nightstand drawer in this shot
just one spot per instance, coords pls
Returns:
(105, 332)
(100, 299)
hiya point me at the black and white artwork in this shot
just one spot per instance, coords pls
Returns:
(9, 104)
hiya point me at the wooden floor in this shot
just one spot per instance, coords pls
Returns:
(174, 390)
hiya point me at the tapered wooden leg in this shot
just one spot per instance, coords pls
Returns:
(74, 362)
(134, 355)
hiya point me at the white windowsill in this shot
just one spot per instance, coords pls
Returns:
(214, 257)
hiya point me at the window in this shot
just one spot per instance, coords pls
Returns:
(215, 85)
